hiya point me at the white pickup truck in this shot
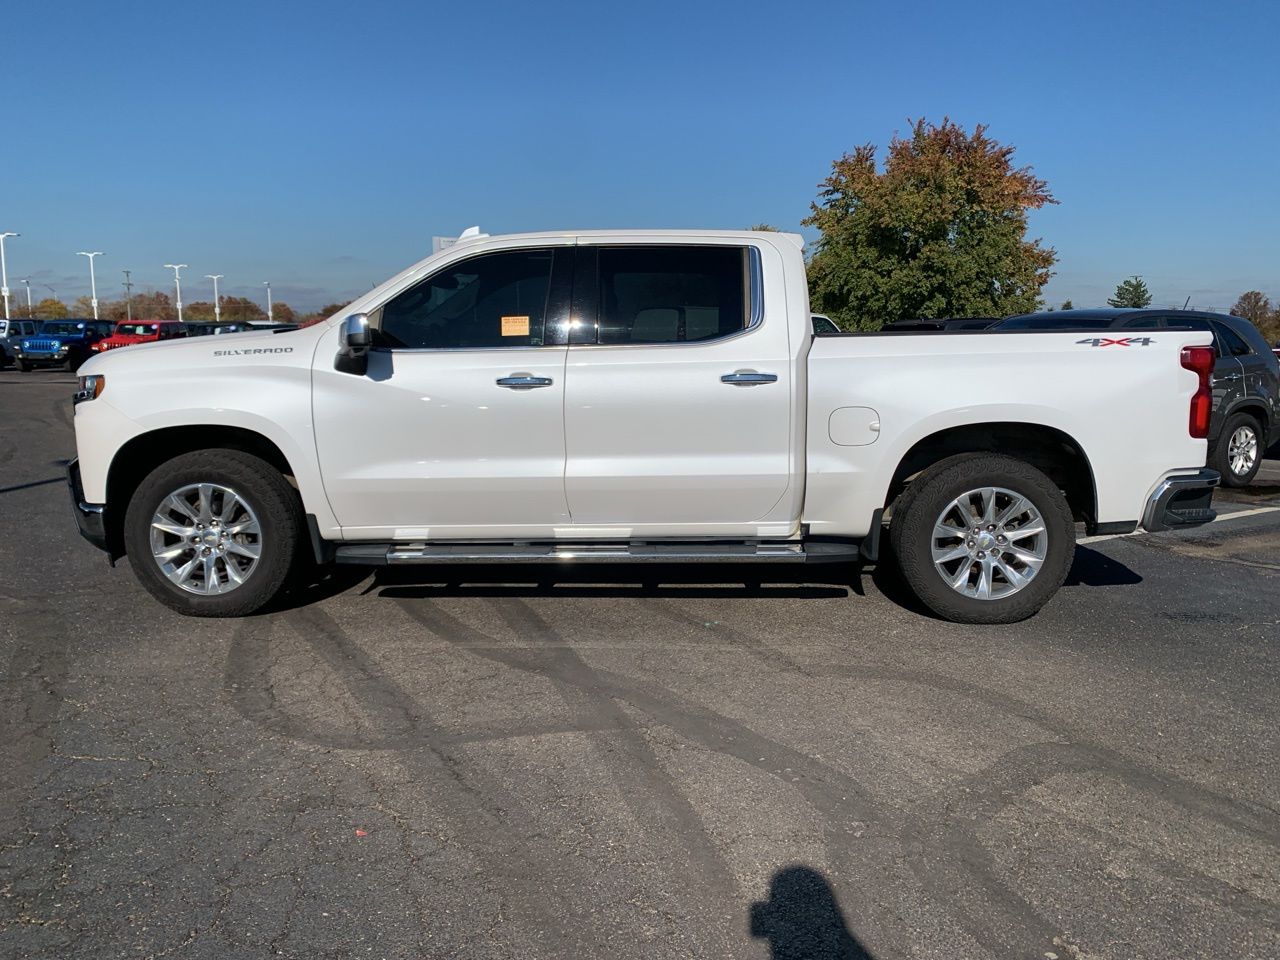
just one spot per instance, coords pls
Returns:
(632, 396)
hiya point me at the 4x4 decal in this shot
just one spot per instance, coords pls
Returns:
(1117, 341)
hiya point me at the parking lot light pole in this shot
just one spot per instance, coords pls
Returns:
(93, 281)
(30, 312)
(4, 272)
(217, 307)
(177, 283)
(267, 284)
(128, 295)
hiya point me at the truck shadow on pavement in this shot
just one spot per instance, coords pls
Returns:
(802, 920)
(697, 582)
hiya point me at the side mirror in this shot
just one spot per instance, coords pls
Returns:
(354, 340)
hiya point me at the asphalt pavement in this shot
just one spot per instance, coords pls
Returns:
(612, 762)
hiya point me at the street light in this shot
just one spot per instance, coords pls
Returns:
(128, 295)
(93, 283)
(177, 282)
(217, 307)
(267, 284)
(30, 312)
(4, 272)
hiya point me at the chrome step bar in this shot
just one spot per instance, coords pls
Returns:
(789, 551)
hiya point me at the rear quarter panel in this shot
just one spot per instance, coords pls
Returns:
(1126, 407)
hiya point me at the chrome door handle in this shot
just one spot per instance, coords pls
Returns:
(523, 382)
(748, 377)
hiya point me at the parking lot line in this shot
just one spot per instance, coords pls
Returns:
(1235, 515)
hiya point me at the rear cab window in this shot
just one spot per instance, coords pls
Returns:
(671, 294)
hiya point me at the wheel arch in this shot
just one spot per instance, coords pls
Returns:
(143, 453)
(1054, 452)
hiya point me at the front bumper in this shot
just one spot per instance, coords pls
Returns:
(90, 517)
(1182, 500)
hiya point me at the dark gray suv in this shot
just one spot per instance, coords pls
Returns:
(1246, 377)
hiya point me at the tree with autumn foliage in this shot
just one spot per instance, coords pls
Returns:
(941, 231)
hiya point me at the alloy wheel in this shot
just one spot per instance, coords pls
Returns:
(1242, 450)
(206, 538)
(989, 543)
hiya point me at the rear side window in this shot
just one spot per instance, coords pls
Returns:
(671, 294)
(1232, 342)
(495, 300)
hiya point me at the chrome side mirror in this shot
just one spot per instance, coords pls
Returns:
(354, 340)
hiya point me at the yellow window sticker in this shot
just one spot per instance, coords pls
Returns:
(515, 326)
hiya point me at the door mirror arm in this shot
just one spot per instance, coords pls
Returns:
(354, 339)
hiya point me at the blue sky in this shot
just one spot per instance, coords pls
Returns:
(321, 145)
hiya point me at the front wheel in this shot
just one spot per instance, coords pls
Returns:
(23, 366)
(213, 533)
(983, 538)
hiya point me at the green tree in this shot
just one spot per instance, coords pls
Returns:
(1131, 293)
(941, 231)
(763, 226)
(1067, 305)
(50, 308)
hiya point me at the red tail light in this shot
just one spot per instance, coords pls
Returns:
(1199, 360)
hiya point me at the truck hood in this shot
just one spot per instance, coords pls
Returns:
(206, 352)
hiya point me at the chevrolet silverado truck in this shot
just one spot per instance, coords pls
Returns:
(635, 396)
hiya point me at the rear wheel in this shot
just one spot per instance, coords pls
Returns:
(1238, 453)
(983, 538)
(213, 533)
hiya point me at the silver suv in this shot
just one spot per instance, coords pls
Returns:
(10, 332)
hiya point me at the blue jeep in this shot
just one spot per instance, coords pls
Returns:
(59, 342)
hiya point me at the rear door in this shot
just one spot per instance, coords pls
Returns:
(678, 387)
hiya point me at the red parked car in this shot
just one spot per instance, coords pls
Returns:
(141, 331)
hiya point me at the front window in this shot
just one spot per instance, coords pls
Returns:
(672, 294)
(494, 300)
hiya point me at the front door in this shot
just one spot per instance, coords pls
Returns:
(457, 428)
(678, 398)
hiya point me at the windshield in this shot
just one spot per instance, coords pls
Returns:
(55, 329)
(137, 329)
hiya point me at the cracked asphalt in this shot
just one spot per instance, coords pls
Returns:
(528, 763)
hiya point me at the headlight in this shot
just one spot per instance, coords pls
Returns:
(91, 387)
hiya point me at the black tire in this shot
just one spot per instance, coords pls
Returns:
(23, 366)
(1220, 455)
(919, 507)
(258, 484)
